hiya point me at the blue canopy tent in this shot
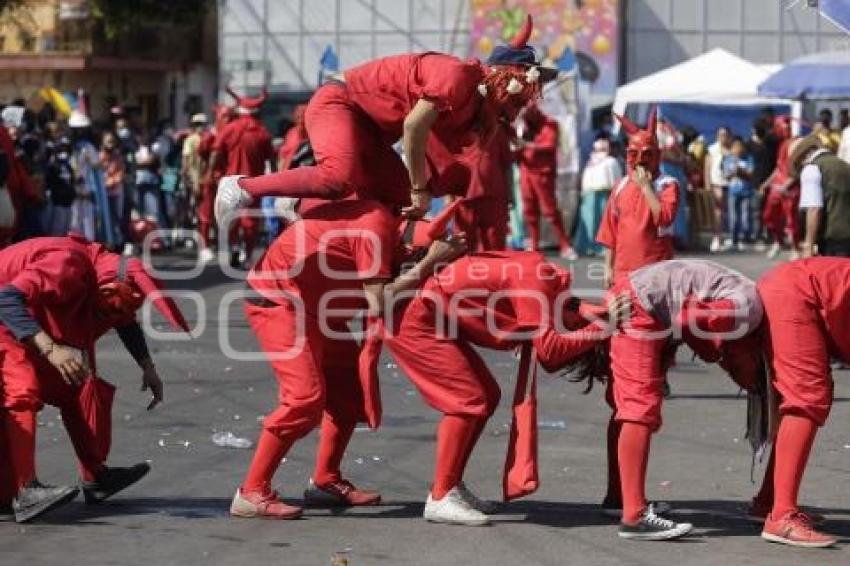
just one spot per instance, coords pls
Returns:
(821, 76)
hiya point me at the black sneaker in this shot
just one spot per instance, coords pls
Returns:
(653, 527)
(112, 480)
(615, 509)
(7, 513)
(37, 499)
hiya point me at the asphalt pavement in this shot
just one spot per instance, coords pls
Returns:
(178, 515)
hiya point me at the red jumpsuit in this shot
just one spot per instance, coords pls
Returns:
(807, 310)
(208, 189)
(22, 190)
(310, 281)
(631, 233)
(538, 172)
(780, 208)
(714, 310)
(352, 127)
(58, 279)
(497, 300)
(293, 139)
(247, 146)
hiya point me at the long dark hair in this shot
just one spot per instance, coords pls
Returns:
(590, 367)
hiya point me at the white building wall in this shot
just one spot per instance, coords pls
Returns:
(280, 42)
(660, 33)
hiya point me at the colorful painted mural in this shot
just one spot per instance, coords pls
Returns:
(582, 33)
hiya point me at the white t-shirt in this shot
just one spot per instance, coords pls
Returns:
(844, 147)
(715, 152)
(811, 190)
(601, 176)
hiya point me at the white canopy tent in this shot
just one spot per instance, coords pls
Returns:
(716, 77)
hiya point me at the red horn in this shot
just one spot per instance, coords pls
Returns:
(232, 93)
(437, 227)
(628, 125)
(652, 122)
(521, 38)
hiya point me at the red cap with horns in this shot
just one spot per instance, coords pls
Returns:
(643, 147)
(247, 103)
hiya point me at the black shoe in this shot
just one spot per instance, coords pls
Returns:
(234, 260)
(7, 513)
(37, 499)
(112, 480)
(653, 527)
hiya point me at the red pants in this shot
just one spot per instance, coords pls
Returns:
(641, 354)
(780, 216)
(485, 222)
(28, 382)
(248, 228)
(449, 373)
(205, 211)
(798, 349)
(538, 196)
(351, 155)
(320, 376)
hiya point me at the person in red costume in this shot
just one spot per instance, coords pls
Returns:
(22, 190)
(57, 297)
(246, 146)
(636, 230)
(537, 156)
(637, 224)
(354, 120)
(209, 180)
(715, 311)
(496, 300)
(807, 311)
(337, 258)
(782, 199)
(295, 136)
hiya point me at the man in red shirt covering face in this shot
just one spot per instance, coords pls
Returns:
(246, 147)
(338, 258)
(57, 297)
(637, 224)
(353, 121)
(497, 300)
(807, 310)
(636, 230)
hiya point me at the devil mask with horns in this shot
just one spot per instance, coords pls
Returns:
(248, 104)
(642, 149)
(516, 76)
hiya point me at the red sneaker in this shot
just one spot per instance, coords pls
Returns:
(759, 510)
(339, 493)
(795, 529)
(266, 505)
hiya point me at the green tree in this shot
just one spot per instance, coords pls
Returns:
(120, 16)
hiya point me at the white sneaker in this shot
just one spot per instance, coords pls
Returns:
(206, 256)
(230, 198)
(774, 250)
(715, 245)
(742, 247)
(452, 509)
(128, 249)
(727, 245)
(569, 253)
(482, 505)
(651, 526)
